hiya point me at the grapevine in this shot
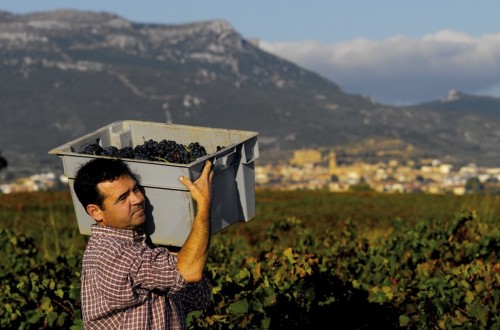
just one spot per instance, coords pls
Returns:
(306, 259)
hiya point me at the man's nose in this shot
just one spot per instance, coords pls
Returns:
(138, 197)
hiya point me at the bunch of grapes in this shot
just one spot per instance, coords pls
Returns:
(165, 150)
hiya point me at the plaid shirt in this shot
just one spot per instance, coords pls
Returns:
(128, 285)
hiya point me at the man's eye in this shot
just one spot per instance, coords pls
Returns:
(137, 189)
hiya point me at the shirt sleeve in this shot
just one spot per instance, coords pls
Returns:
(196, 296)
(156, 269)
(128, 272)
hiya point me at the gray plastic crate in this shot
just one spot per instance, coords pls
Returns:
(170, 209)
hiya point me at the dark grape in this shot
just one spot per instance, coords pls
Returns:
(111, 151)
(165, 150)
(93, 149)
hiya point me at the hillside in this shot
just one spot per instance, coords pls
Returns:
(67, 73)
(461, 103)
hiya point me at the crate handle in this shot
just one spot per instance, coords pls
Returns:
(226, 160)
(250, 151)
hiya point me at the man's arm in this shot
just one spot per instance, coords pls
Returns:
(192, 257)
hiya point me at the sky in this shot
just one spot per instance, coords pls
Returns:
(399, 52)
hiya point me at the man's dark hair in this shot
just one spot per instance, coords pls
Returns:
(96, 171)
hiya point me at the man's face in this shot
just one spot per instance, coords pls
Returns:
(123, 205)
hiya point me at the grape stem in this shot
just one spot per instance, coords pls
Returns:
(162, 159)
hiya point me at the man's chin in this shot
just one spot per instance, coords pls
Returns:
(139, 223)
(141, 220)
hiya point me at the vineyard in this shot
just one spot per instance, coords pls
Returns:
(358, 260)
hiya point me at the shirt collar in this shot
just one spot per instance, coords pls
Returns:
(136, 235)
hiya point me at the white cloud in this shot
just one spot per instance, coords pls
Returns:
(402, 70)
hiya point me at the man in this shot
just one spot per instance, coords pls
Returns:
(125, 283)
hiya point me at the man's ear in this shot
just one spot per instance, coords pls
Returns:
(95, 212)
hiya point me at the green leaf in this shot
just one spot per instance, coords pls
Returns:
(479, 312)
(288, 253)
(266, 323)
(270, 297)
(51, 317)
(8, 308)
(61, 318)
(59, 293)
(74, 293)
(469, 297)
(404, 320)
(13, 240)
(20, 286)
(46, 304)
(239, 307)
(35, 317)
(77, 325)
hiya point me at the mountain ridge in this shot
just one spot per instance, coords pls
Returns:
(67, 73)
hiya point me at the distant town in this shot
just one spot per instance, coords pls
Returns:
(314, 169)
(310, 169)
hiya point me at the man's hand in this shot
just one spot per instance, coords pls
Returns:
(201, 189)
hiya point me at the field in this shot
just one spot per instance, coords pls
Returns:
(358, 260)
